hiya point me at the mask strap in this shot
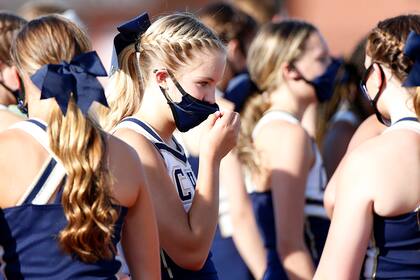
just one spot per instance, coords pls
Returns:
(6, 87)
(178, 86)
(292, 65)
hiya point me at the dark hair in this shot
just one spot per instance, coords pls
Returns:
(9, 26)
(229, 23)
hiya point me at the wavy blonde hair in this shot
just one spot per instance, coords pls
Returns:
(173, 40)
(76, 140)
(386, 43)
(275, 44)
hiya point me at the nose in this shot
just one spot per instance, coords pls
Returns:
(210, 97)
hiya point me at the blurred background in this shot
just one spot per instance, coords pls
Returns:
(343, 22)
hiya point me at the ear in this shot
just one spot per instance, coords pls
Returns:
(377, 75)
(232, 48)
(160, 76)
(13, 77)
(289, 71)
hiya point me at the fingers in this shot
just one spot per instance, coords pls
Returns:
(229, 118)
(211, 119)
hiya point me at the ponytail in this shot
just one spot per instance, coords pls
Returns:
(125, 90)
(81, 146)
(253, 110)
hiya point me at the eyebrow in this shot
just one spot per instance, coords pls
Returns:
(205, 78)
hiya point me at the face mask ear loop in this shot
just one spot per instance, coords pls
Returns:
(301, 77)
(6, 87)
(178, 86)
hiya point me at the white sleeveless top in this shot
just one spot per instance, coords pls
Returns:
(411, 124)
(177, 165)
(317, 178)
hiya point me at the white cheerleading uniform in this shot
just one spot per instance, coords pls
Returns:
(184, 181)
(317, 222)
(177, 166)
(317, 178)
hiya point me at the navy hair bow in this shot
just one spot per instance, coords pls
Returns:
(129, 32)
(412, 50)
(77, 77)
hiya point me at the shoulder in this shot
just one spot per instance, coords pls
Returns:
(280, 132)
(119, 151)
(366, 168)
(15, 143)
(369, 128)
(285, 145)
(8, 118)
(144, 148)
(127, 170)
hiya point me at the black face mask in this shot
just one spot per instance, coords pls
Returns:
(19, 95)
(374, 102)
(191, 111)
(324, 83)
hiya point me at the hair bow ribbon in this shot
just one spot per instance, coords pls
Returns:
(78, 76)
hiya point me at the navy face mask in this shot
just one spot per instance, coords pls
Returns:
(191, 111)
(324, 84)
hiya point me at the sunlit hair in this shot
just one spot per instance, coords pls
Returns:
(275, 44)
(9, 26)
(76, 140)
(173, 41)
(386, 45)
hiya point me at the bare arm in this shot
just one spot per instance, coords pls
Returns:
(140, 235)
(187, 237)
(287, 149)
(245, 230)
(351, 223)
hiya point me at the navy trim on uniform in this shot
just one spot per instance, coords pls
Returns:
(145, 127)
(175, 153)
(162, 145)
(41, 181)
(38, 123)
(314, 201)
(178, 146)
(414, 119)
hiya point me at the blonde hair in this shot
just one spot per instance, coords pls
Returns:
(173, 40)
(275, 44)
(386, 46)
(76, 140)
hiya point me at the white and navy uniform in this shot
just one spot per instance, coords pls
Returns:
(29, 247)
(317, 222)
(184, 180)
(395, 241)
